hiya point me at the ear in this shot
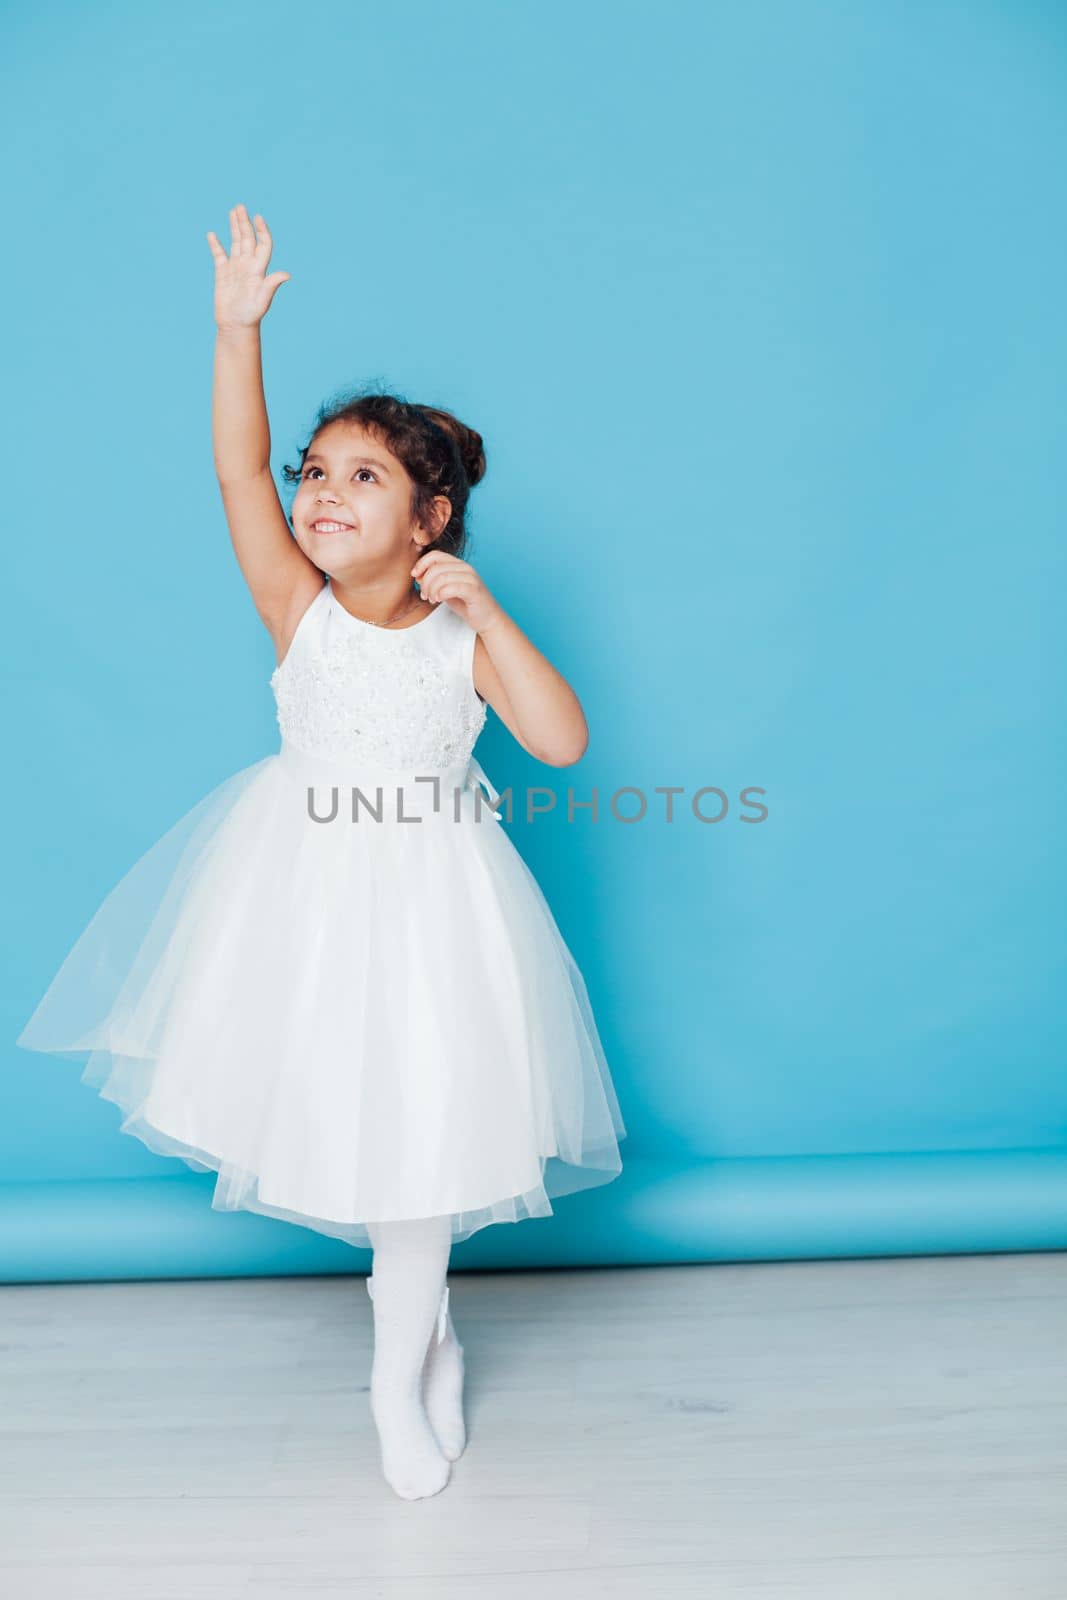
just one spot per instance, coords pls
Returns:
(443, 514)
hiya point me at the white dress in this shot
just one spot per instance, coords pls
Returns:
(334, 981)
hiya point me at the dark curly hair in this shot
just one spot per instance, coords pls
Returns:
(441, 454)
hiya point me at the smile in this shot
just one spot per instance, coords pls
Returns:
(331, 527)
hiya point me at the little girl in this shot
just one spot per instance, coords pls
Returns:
(335, 982)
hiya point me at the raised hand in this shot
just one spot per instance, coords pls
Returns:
(243, 292)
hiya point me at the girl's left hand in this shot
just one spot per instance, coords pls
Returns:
(447, 578)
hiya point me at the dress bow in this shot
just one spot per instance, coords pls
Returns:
(477, 775)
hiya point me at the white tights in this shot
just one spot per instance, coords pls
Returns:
(415, 1342)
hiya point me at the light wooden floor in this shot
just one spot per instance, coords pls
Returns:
(810, 1430)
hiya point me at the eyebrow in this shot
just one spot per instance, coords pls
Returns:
(365, 460)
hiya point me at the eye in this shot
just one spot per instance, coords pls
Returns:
(309, 470)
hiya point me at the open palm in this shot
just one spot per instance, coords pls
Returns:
(243, 292)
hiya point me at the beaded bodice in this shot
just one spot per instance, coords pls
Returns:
(395, 698)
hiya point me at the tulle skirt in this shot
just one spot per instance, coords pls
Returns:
(344, 992)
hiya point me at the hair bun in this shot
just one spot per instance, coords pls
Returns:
(467, 442)
(470, 448)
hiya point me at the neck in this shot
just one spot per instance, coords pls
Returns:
(377, 602)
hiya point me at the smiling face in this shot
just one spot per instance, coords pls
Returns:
(352, 509)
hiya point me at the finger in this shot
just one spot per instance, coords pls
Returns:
(434, 586)
(433, 574)
(436, 558)
(235, 231)
(248, 238)
(216, 249)
(443, 584)
(440, 575)
(431, 580)
(266, 243)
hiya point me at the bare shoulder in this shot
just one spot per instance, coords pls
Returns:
(281, 579)
(282, 624)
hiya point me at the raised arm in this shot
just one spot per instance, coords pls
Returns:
(281, 578)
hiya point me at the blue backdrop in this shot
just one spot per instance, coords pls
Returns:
(760, 311)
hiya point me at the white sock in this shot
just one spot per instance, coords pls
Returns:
(443, 1388)
(407, 1290)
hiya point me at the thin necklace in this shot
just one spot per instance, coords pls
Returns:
(394, 618)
